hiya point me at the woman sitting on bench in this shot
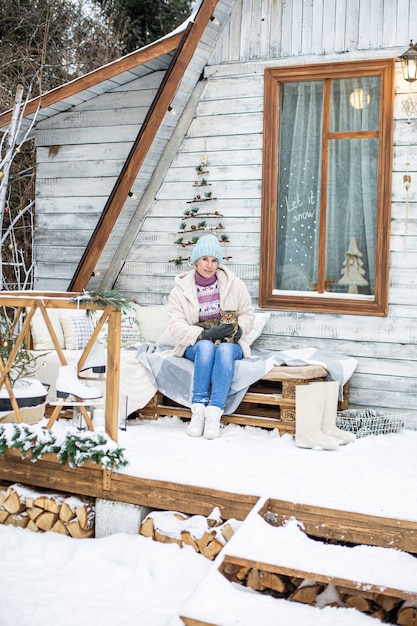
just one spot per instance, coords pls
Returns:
(198, 295)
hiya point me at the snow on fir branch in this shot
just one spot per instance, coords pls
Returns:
(74, 448)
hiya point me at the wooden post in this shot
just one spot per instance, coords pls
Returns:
(113, 374)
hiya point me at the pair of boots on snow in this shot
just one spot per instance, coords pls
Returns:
(68, 383)
(316, 412)
(205, 420)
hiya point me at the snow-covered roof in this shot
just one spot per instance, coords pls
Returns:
(154, 57)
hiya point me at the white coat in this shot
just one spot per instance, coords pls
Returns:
(184, 308)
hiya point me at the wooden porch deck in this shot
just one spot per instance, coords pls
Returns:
(91, 480)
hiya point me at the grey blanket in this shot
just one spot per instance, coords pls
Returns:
(340, 367)
(173, 376)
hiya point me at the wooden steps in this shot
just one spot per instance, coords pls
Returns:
(297, 585)
(281, 562)
(347, 526)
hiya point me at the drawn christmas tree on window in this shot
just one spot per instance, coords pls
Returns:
(352, 272)
(199, 218)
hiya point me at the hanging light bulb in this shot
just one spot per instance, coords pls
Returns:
(359, 98)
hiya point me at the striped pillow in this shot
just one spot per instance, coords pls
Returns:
(77, 331)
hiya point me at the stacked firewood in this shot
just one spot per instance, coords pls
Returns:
(207, 535)
(383, 607)
(41, 511)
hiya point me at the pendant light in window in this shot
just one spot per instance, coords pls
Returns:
(359, 98)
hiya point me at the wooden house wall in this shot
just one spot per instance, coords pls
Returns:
(79, 156)
(228, 124)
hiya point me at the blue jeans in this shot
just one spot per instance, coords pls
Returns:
(212, 367)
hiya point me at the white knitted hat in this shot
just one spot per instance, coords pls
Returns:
(207, 246)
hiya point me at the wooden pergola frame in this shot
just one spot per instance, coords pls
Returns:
(26, 303)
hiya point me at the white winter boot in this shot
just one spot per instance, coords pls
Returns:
(328, 425)
(196, 426)
(309, 406)
(67, 384)
(212, 426)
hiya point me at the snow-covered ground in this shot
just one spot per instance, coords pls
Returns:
(369, 476)
(128, 579)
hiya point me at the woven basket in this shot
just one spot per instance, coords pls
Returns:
(369, 422)
(30, 415)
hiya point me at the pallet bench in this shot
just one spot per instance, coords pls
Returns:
(269, 403)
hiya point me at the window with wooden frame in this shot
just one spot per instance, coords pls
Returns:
(326, 187)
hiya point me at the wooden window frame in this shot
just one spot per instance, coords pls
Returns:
(325, 302)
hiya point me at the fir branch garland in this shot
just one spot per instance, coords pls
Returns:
(103, 297)
(75, 448)
(22, 439)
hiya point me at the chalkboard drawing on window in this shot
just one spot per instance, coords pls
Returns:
(353, 273)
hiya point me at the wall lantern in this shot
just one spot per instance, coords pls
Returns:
(409, 63)
(409, 106)
(359, 98)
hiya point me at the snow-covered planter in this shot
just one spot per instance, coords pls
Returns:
(30, 396)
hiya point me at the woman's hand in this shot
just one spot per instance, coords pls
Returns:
(219, 332)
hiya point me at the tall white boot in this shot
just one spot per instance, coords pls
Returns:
(196, 426)
(212, 426)
(309, 406)
(328, 425)
(68, 384)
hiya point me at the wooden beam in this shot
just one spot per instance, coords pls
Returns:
(348, 526)
(126, 63)
(141, 146)
(326, 579)
(150, 192)
(91, 480)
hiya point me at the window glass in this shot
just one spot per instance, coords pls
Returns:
(326, 187)
(354, 104)
(299, 156)
(351, 216)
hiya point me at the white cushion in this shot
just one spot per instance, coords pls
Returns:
(40, 334)
(130, 331)
(165, 339)
(260, 321)
(153, 320)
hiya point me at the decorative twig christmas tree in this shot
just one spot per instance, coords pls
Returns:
(196, 220)
(352, 270)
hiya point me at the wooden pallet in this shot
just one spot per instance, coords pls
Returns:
(269, 403)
